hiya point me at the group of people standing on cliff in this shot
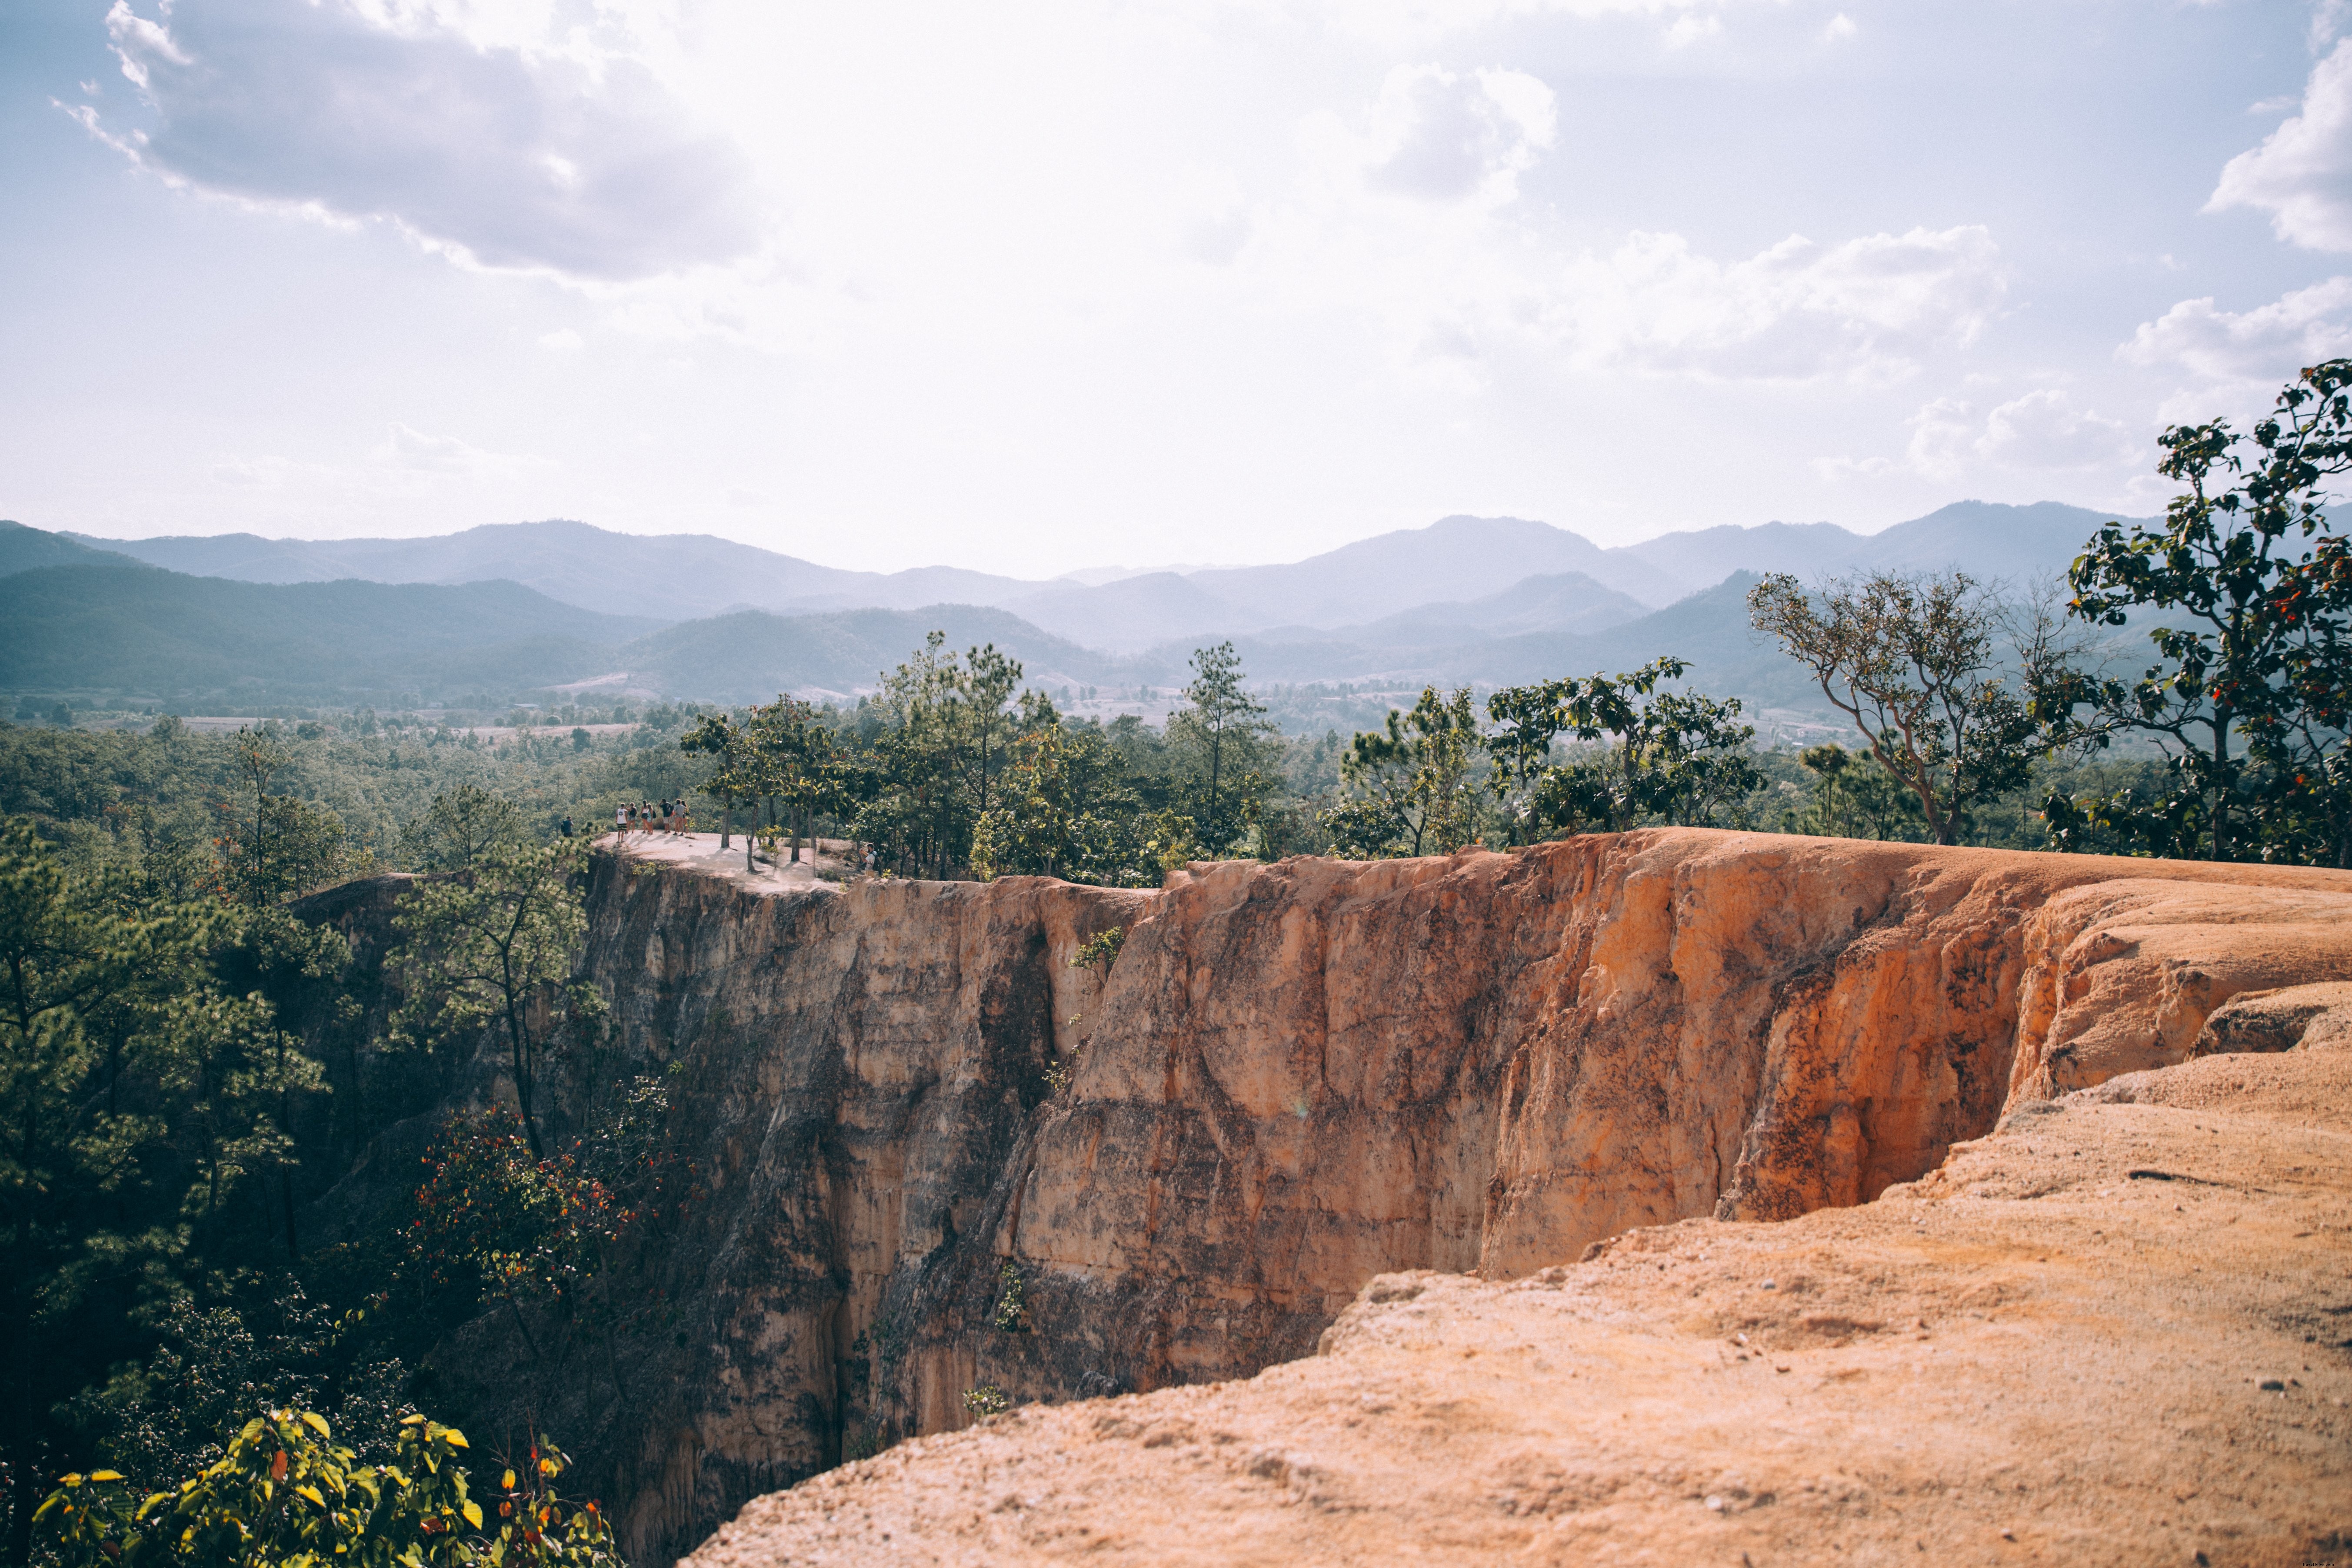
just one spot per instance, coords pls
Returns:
(644, 817)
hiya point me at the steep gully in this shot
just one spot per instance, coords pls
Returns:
(1299, 1077)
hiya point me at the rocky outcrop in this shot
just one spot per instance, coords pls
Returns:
(2113, 1332)
(936, 1154)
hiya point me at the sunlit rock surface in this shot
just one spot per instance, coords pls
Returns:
(1302, 1075)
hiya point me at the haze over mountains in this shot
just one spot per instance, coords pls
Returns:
(1482, 600)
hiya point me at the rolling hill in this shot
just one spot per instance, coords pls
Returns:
(1454, 561)
(749, 655)
(24, 548)
(1450, 604)
(141, 631)
(666, 577)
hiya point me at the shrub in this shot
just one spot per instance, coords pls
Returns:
(286, 1495)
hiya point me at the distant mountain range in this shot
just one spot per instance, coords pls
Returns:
(517, 608)
(676, 577)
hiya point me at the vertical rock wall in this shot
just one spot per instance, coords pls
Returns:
(1301, 1075)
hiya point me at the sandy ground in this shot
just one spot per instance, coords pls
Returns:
(2118, 1330)
(821, 861)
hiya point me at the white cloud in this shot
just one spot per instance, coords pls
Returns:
(565, 341)
(405, 448)
(1417, 220)
(1442, 136)
(2301, 174)
(2041, 433)
(1405, 23)
(2267, 345)
(1841, 27)
(1686, 29)
(1869, 307)
(2044, 431)
(2327, 18)
(250, 473)
(568, 157)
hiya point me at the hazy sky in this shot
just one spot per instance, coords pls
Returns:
(1036, 286)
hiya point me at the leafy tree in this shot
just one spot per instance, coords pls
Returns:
(1224, 731)
(170, 1418)
(284, 1493)
(1854, 797)
(978, 730)
(1677, 757)
(2251, 691)
(1411, 788)
(738, 774)
(1065, 809)
(1169, 841)
(1910, 660)
(947, 735)
(461, 827)
(496, 1221)
(800, 763)
(496, 945)
(143, 1097)
(275, 845)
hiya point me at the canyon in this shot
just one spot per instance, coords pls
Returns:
(1510, 1138)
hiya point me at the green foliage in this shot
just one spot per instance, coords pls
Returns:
(799, 766)
(169, 807)
(1910, 660)
(1169, 843)
(460, 828)
(499, 1221)
(946, 736)
(496, 945)
(1012, 1314)
(1064, 808)
(986, 1400)
(169, 1418)
(285, 1495)
(1227, 748)
(274, 845)
(143, 1098)
(1648, 755)
(1854, 797)
(1413, 789)
(1100, 950)
(2250, 694)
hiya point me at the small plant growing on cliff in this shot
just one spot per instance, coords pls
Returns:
(284, 1492)
(987, 1400)
(1011, 1299)
(1100, 950)
(1058, 1076)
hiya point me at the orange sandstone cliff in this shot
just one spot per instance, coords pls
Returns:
(936, 1154)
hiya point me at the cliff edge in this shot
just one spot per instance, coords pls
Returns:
(937, 1155)
(2114, 1332)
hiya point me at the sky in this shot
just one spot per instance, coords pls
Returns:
(1041, 286)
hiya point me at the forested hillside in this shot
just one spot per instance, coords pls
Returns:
(150, 635)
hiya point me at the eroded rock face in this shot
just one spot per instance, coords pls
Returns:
(1297, 1077)
(2110, 1333)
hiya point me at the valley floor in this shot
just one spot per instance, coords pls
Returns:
(2117, 1331)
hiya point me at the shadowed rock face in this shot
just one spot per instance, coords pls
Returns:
(1297, 1076)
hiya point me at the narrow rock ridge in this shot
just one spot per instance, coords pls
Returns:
(1297, 1077)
